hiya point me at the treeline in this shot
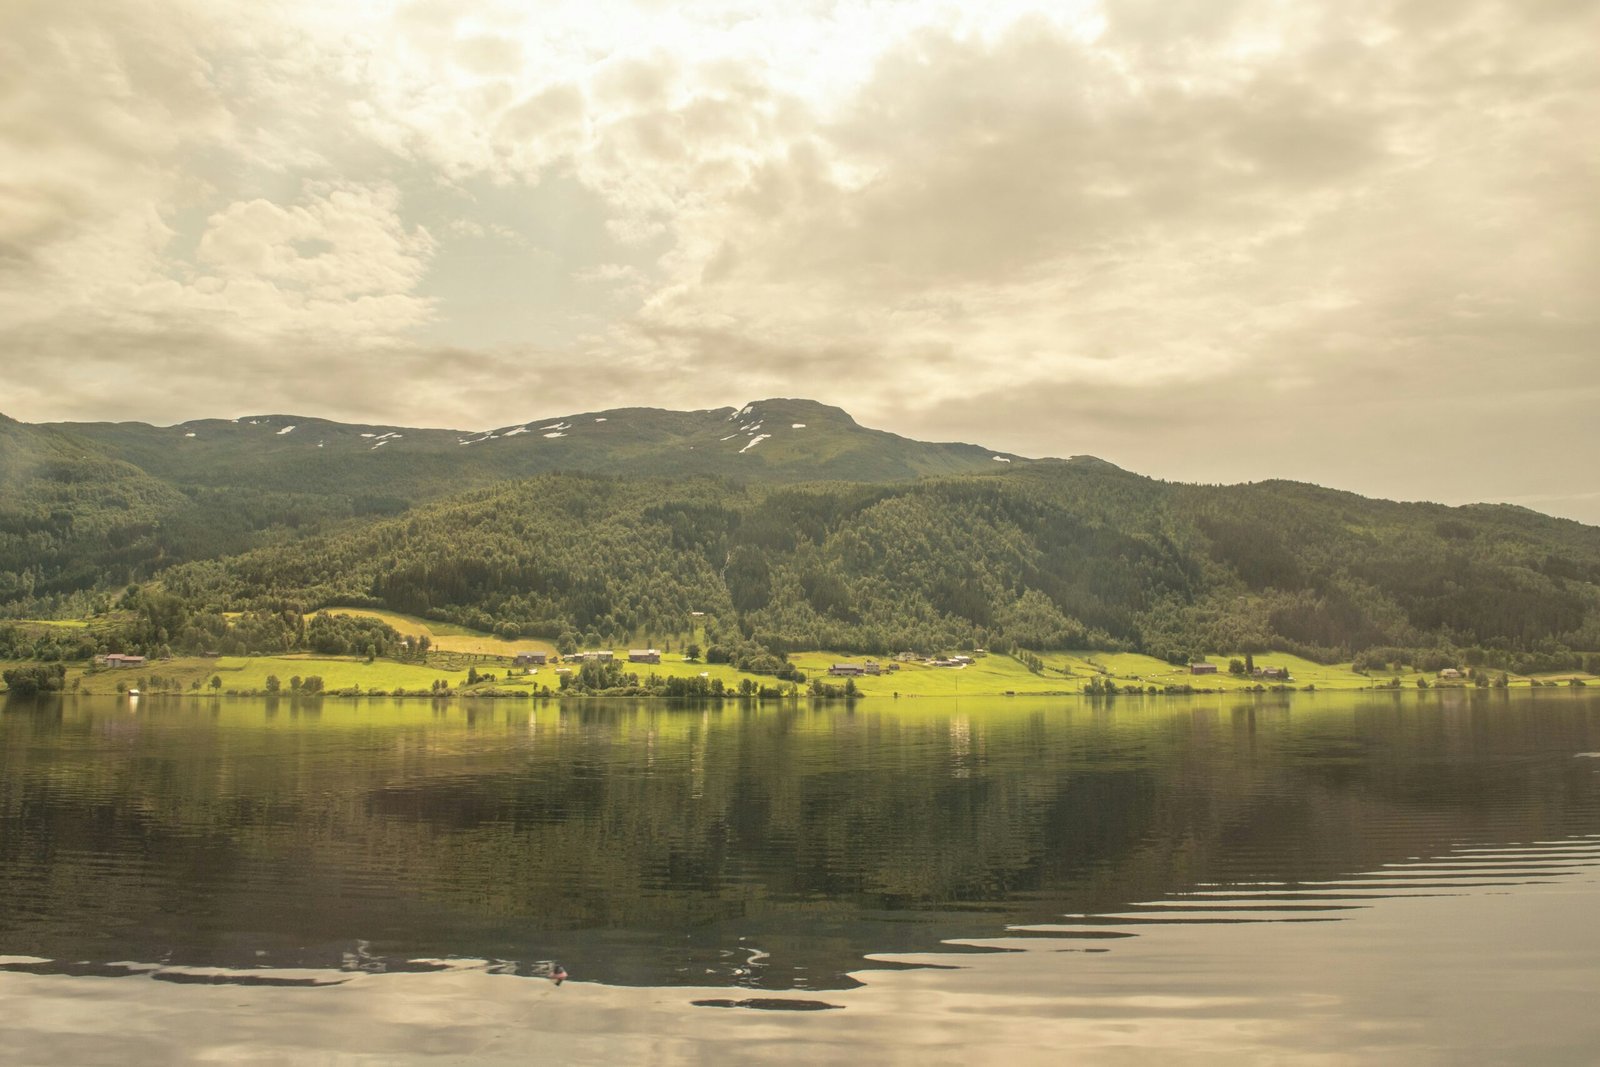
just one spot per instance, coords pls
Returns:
(1476, 659)
(29, 680)
(157, 624)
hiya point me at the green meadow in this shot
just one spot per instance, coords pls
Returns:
(456, 650)
(448, 637)
(249, 673)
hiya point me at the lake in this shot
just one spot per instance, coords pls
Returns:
(1396, 877)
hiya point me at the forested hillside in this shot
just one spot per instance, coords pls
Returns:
(1036, 555)
(1059, 556)
(70, 516)
(143, 498)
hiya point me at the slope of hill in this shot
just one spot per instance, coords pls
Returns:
(71, 516)
(129, 499)
(1050, 556)
(785, 522)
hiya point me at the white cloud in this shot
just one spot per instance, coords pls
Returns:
(1112, 205)
(319, 263)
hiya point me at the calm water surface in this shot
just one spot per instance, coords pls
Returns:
(1406, 877)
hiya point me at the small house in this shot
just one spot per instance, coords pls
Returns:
(1202, 668)
(117, 659)
(531, 659)
(871, 667)
(1449, 672)
(643, 655)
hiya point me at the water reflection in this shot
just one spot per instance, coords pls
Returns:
(761, 848)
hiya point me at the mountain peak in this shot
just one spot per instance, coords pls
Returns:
(794, 409)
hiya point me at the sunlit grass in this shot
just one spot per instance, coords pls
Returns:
(447, 636)
(992, 675)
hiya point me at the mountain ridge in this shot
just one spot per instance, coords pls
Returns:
(784, 518)
(779, 438)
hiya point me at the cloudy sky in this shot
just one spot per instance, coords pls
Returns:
(1355, 243)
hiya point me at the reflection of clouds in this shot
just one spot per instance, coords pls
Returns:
(1409, 986)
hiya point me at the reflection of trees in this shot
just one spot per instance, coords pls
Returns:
(495, 832)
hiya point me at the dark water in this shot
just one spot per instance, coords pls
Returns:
(765, 852)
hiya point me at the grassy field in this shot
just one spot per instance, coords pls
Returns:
(448, 637)
(456, 649)
(1069, 672)
(249, 673)
(246, 673)
(1130, 667)
(994, 675)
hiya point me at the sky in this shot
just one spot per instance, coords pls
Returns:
(1354, 243)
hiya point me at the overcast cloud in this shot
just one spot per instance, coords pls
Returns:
(1352, 243)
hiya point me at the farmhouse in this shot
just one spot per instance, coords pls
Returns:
(1449, 672)
(1202, 668)
(531, 659)
(117, 659)
(603, 655)
(643, 655)
(854, 669)
(872, 667)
